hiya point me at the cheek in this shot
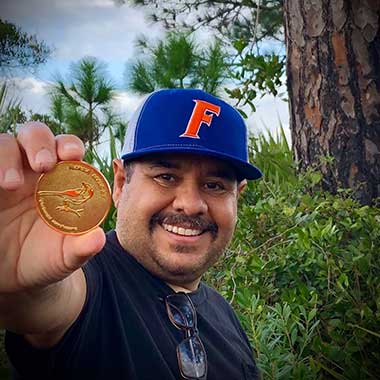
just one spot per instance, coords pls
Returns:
(139, 206)
(225, 214)
(122, 204)
(127, 214)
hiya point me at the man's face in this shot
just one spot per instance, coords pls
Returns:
(176, 214)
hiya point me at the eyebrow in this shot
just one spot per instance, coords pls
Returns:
(163, 164)
(224, 173)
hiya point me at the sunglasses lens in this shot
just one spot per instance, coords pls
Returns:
(191, 354)
(192, 358)
(180, 311)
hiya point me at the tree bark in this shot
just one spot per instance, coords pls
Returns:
(333, 70)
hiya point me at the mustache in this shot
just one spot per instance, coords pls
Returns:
(191, 222)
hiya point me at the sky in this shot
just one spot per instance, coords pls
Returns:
(99, 28)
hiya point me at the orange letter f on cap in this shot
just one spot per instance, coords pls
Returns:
(200, 116)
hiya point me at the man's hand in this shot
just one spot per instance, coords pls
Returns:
(32, 255)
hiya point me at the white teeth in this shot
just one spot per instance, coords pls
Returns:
(181, 231)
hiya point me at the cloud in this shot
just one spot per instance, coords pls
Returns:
(84, 4)
(111, 38)
(77, 28)
(125, 103)
(31, 93)
(271, 114)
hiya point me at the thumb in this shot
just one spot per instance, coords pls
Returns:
(79, 249)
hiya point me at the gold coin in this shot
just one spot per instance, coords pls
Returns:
(73, 197)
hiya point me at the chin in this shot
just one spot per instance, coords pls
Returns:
(186, 280)
(186, 265)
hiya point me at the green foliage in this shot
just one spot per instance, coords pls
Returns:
(55, 126)
(20, 50)
(273, 155)
(303, 273)
(243, 29)
(104, 164)
(177, 62)
(10, 112)
(82, 108)
(212, 68)
(256, 75)
(254, 20)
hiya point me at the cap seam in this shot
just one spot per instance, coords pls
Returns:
(138, 122)
(157, 146)
(205, 149)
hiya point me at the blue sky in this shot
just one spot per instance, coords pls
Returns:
(99, 28)
(76, 28)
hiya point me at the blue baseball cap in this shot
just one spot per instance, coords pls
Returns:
(189, 121)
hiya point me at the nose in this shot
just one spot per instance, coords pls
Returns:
(189, 200)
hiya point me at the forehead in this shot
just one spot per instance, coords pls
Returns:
(183, 161)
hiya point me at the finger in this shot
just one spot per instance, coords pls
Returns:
(11, 173)
(38, 142)
(69, 147)
(79, 249)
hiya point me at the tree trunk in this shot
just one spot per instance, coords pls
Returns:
(333, 69)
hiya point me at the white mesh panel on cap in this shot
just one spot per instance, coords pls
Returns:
(129, 141)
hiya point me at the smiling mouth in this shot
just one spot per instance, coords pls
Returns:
(184, 225)
(181, 231)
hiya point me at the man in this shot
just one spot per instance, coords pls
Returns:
(130, 305)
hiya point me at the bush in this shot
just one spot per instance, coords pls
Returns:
(303, 273)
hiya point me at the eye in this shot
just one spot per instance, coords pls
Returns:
(165, 178)
(214, 186)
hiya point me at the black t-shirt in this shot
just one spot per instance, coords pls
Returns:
(123, 331)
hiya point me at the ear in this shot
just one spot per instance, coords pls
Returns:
(119, 179)
(241, 186)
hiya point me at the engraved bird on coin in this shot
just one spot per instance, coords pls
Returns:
(71, 197)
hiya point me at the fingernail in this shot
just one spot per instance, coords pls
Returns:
(12, 176)
(44, 156)
(70, 146)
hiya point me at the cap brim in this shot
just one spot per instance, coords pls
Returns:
(244, 169)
